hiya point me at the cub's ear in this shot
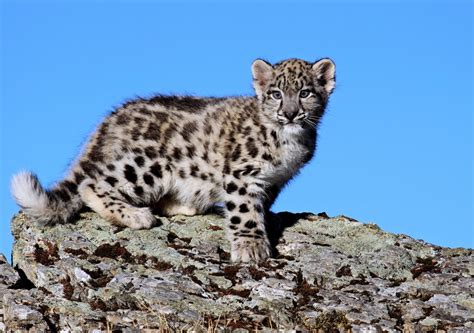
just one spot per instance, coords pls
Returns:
(262, 73)
(325, 74)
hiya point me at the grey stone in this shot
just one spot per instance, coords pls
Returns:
(329, 274)
(8, 276)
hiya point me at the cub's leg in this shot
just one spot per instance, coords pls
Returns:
(109, 204)
(244, 208)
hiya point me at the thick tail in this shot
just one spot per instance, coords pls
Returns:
(57, 205)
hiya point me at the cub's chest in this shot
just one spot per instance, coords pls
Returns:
(287, 161)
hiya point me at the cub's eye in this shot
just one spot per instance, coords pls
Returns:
(276, 94)
(305, 93)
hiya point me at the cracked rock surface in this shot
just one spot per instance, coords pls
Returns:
(328, 274)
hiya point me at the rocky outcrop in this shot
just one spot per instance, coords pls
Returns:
(328, 274)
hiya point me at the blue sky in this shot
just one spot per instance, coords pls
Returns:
(395, 146)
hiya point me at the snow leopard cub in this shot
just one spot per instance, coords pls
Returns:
(182, 155)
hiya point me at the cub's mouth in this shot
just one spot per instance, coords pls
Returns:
(298, 121)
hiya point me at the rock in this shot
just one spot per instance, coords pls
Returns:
(8, 276)
(329, 274)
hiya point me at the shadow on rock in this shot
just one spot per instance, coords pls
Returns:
(278, 222)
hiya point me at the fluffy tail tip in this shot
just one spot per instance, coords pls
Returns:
(28, 192)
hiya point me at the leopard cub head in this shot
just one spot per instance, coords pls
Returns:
(294, 92)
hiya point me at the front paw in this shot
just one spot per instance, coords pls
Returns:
(139, 218)
(250, 251)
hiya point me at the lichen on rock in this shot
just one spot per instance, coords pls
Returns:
(328, 274)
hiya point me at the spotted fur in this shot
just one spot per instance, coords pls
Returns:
(182, 155)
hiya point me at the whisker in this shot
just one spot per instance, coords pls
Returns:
(315, 121)
(314, 117)
(309, 122)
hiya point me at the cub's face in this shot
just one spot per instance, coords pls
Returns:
(294, 92)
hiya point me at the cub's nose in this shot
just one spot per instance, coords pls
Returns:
(290, 115)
